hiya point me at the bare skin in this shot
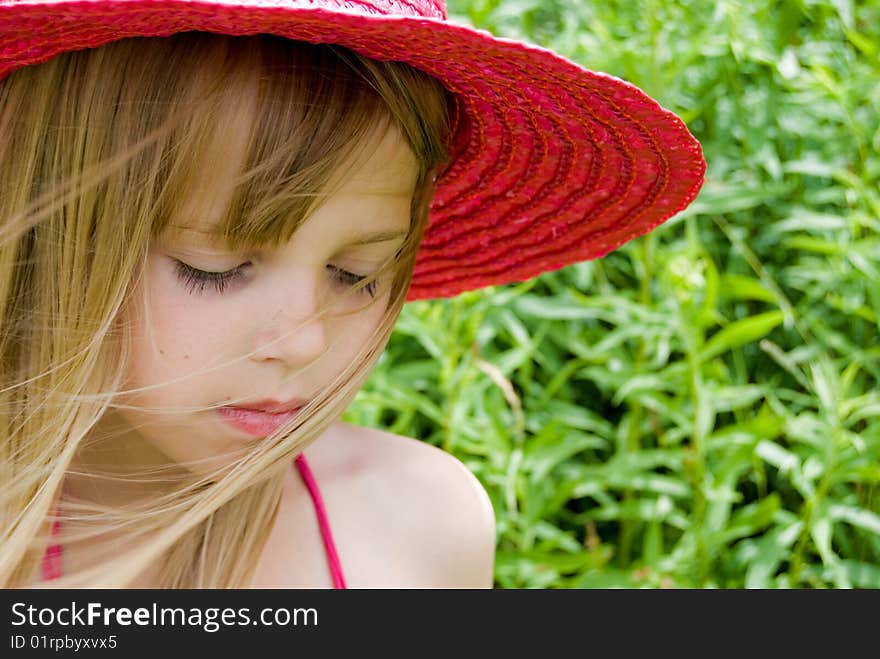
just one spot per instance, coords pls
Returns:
(403, 515)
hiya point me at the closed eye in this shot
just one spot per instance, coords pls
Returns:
(350, 279)
(196, 280)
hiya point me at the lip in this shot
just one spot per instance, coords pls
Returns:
(256, 422)
(271, 405)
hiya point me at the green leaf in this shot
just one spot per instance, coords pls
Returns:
(766, 555)
(860, 574)
(554, 308)
(607, 579)
(815, 245)
(740, 287)
(859, 517)
(558, 561)
(777, 456)
(541, 457)
(741, 332)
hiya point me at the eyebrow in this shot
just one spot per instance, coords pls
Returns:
(379, 237)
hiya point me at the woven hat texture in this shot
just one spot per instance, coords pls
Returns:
(550, 164)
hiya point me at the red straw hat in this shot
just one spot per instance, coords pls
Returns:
(550, 163)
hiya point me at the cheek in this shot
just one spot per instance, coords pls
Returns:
(173, 335)
(364, 325)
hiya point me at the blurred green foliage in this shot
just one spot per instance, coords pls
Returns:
(700, 408)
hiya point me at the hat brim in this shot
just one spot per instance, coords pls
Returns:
(551, 163)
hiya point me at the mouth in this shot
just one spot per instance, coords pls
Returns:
(256, 422)
(271, 405)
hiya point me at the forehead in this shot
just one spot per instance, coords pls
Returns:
(380, 169)
(383, 165)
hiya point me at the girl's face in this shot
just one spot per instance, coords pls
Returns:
(251, 334)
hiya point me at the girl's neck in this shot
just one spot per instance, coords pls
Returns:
(113, 467)
(110, 471)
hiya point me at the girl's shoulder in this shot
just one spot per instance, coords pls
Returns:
(402, 512)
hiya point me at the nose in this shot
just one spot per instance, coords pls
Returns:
(295, 335)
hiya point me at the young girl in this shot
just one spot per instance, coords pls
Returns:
(211, 216)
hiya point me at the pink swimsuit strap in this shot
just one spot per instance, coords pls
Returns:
(323, 520)
(51, 564)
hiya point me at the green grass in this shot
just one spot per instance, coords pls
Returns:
(700, 408)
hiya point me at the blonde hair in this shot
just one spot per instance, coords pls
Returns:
(97, 150)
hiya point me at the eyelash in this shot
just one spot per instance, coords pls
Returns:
(196, 280)
(351, 279)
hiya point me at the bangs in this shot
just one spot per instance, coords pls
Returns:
(312, 112)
